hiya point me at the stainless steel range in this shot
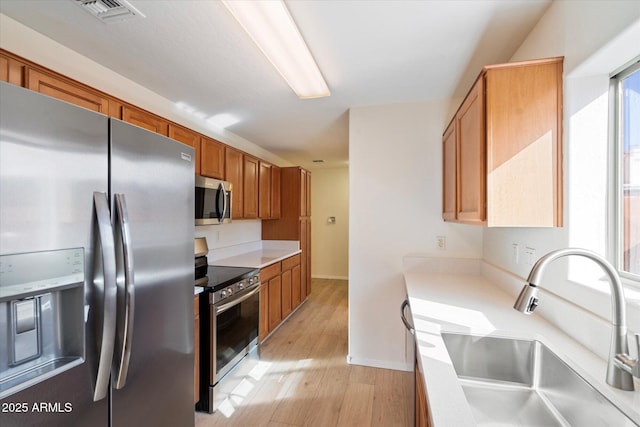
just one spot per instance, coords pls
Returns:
(229, 321)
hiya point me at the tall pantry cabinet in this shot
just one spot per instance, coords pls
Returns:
(295, 219)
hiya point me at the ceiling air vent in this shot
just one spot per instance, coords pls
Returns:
(110, 11)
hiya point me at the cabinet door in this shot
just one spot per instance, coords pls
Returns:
(275, 303)
(524, 150)
(233, 174)
(250, 181)
(212, 160)
(295, 287)
(189, 137)
(66, 90)
(308, 194)
(449, 173)
(303, 259)
(11, 71)
(421, 406)
(308, 255)
(275, 192)
(145, 120)
(264, 193)
(471, 197)
(303, 192)
(264, 311)
(285, 295)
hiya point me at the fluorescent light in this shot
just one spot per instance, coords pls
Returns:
(271, 27)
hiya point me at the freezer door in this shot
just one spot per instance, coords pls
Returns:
(153, 177)
(53, 157)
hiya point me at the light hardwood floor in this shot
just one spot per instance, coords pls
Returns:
(307, 381)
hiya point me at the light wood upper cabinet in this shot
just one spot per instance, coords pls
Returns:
(233, 174)
(470, 199)
(508, 148)
(66, 90)
(11, 70)
(264, 190)
(275, 192)
(145, 120)
(212, 158)
(449, 173)
(250, 184)
(188, 137)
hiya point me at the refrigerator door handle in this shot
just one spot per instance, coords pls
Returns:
(125, 329)
(222, 191)
(108, 263)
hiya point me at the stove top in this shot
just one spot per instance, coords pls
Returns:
(221, 276)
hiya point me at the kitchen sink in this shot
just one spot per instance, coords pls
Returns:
(519, 382)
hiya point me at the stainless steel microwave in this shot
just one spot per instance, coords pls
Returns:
(213, 201)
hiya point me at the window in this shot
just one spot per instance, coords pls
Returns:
(627, 89)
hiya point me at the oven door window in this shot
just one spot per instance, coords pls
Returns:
(236, 328)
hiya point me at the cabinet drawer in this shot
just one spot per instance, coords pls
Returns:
(271, 270)
(196, 305)
(289, 263)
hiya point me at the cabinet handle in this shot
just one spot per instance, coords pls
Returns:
(407, 325)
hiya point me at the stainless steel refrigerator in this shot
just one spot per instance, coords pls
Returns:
(96, 269)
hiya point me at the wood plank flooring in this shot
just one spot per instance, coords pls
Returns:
(307, 381)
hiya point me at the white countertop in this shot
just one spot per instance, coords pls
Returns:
(256, 259)
(468, 303)
(197, 290)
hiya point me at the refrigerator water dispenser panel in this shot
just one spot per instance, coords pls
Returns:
(25, 330)
(41, 316)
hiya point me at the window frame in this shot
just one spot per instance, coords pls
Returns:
(617, 154)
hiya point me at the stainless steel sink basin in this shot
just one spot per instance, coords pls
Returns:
(514, 382)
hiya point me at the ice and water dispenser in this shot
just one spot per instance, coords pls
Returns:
(41, 316)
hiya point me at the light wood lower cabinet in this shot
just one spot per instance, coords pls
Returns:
(196, 349)
(280, 292)
(422, 407)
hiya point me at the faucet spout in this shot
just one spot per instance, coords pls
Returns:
(617, 375)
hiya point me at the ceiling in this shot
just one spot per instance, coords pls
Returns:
(370, 53)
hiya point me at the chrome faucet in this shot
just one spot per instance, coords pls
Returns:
(621, 368)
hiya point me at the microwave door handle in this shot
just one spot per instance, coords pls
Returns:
(125, 331)
(107, 261)
(223, 191)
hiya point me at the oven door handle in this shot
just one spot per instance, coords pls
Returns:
(226, 306)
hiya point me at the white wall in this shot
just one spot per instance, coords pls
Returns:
(330, 242)
(394, 210)
(596, 38)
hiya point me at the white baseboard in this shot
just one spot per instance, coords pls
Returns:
(326, 276)
(384, 364)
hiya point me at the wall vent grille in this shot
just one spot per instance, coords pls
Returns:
(110, 11)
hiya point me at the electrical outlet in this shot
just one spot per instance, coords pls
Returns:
(515, 254)
(441, 242)
(530, 254)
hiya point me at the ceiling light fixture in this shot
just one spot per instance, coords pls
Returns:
(273, 30)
